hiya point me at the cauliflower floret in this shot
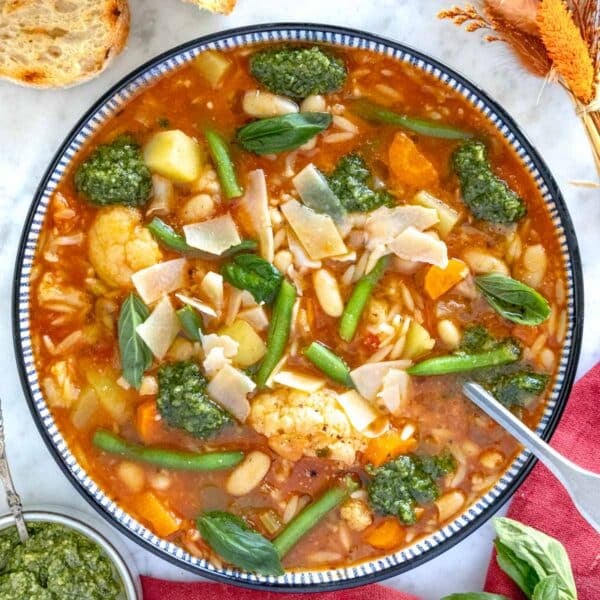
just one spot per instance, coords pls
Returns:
(299, 424)
(119, 245)
(356, 513)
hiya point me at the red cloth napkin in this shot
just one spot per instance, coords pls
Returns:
(155, 589)
(540, 502)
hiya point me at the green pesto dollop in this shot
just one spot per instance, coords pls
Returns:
(55, 563)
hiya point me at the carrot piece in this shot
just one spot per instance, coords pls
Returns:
(388, 446)
(438, 281)
(385, 535)
(147, 422)
(526, 333)
(163, 521)
(409, 165)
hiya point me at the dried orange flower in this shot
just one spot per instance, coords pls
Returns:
(566, 48)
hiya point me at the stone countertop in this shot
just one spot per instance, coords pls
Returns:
(33, 124)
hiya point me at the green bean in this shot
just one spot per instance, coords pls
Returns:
(191, 322)
(219, 152)
(168, 237)
(508, 352)
(307, 518)
(379, 114)
(358, 299)
(332, 365)
(279, 331)
(167, 459)
(172, 240)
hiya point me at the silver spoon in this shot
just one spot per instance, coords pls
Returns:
(582, 486)
(13, 499)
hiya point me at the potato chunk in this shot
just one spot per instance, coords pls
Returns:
(251, 347)
(174, 155)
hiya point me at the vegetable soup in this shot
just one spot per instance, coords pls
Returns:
(258, 293)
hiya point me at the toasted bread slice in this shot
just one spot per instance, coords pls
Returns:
(216, 6)
(59, 43)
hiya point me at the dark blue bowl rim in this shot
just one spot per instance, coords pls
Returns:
(569, 373)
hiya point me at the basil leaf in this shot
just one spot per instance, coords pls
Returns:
(191, 322)
(475, 596)
(545, 555)
(170, 239)
(255, 274)
(277, 134)
(547, 589)
(513, 300)
(518, 570)
(135, 354)
(232, 539)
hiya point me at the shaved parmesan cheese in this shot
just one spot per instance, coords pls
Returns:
(160, 329)
(394, 391)
(278, 367)
(256, 317)
(219, 350)
(384, 224)
(368, 378)
(149, 386)
(299, 381)
(213, 236)
(360, 413)
(416, 246)
(234, 303)
(197, 304)
(316, 232)
(300, 258)
(160, 279)
(229, 388)
(212, 288)
(254, 208)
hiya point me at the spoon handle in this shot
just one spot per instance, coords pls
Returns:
(583, 486)
(12, 497)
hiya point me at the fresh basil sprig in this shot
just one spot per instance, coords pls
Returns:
(255, 274)
(278, 134)
(135, 354)
(547, 589)
(231, 538)
(535, 554)
(513, 299)
(537, 563)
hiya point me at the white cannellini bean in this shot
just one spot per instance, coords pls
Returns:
(315, 103)
(328, 293)
(247, 475)
(535, 263)
(449, 504)
(482, 262)
(261, 105)
(491, 459)
(131, 475)
(283, 260)
(197, 208)
(449, 333)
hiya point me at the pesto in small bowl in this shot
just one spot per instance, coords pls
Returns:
(55, 563)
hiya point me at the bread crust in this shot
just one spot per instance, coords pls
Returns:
(217, 6)
(44, 71)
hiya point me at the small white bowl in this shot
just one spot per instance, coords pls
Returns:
(116, 553)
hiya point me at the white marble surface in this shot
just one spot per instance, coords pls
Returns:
(33, 123)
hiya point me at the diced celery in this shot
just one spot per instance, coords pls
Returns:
(447, 215)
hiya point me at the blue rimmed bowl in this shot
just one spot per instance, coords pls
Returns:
(422, 549)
